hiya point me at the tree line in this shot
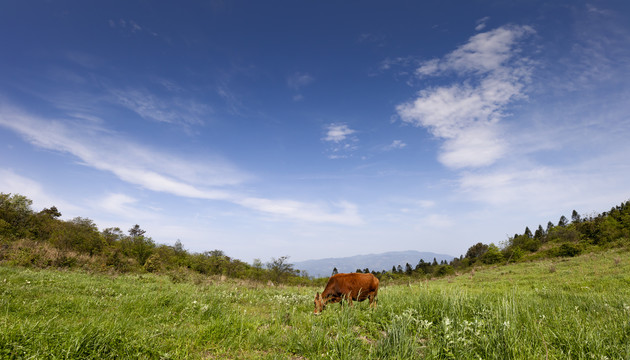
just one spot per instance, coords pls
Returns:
(43, 239)
(566, 238)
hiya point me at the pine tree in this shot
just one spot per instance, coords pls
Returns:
(575, 217)
(408, 269)
(550, 226)
(563, 221)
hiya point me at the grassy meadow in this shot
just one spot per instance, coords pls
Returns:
(576, 308)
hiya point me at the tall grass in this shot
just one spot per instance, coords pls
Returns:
(581, 310)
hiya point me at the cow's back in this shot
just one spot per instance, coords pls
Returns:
(351, 284)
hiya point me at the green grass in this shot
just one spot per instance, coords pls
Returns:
(577, 308)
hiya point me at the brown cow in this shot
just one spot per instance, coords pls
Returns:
(353, 286)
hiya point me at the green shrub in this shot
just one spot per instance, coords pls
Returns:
(153, 263)
(443, 270)
(492, 256)
(569, 250)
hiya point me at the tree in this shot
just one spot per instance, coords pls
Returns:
(52, 212)
(15, 210)
(563, 221)
(550, 226)
(408, 269)
(420, 264)
(135, 231)
(85, 236)
(137, 245)
(280, 269)
(540, 233)
(179, 247)
(528, 232)
(475, 251)
(575, 217)
(423, 266)
(493, 255)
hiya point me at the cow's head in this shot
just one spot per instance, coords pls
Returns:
(319, 304)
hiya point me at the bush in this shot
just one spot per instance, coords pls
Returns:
(513, 253)
(492, 256)
(443, 270)
(153, 263)
(569, 250)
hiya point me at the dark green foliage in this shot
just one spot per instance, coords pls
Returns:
(42, 239)
(443, 270)
(476, 251)
(563, 221)
(492, 256)
(408, 269)
(569, 250)
(280, 269)
(575, 217)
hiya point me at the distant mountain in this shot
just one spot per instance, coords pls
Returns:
(377, 262)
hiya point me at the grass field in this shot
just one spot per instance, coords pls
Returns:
(577, 308)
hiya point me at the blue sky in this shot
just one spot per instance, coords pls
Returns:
(317, 129)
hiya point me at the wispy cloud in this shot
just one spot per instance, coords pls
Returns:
(168, 110)
(341, 140)
(344, 213)
(128, 26)
(467, 113)
(210, 179)
(11, 182)
(396, 144)
(298, 80)
(481, 23)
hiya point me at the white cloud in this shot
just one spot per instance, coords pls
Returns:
(343, 213)
(338, 132)
(10, 182)
(150, 107)
(341, 141)
(467, 113)
(396, 144)
(481, 23)
(117, 203)
(153, 170)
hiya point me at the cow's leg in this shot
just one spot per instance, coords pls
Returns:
(373, 300)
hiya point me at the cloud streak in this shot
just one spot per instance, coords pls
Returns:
(150, 169)
(150, 107)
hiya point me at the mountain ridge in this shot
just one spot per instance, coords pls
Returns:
(376, 262)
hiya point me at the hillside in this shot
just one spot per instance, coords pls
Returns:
(377, 262)
(43, 240)
(564, 308)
